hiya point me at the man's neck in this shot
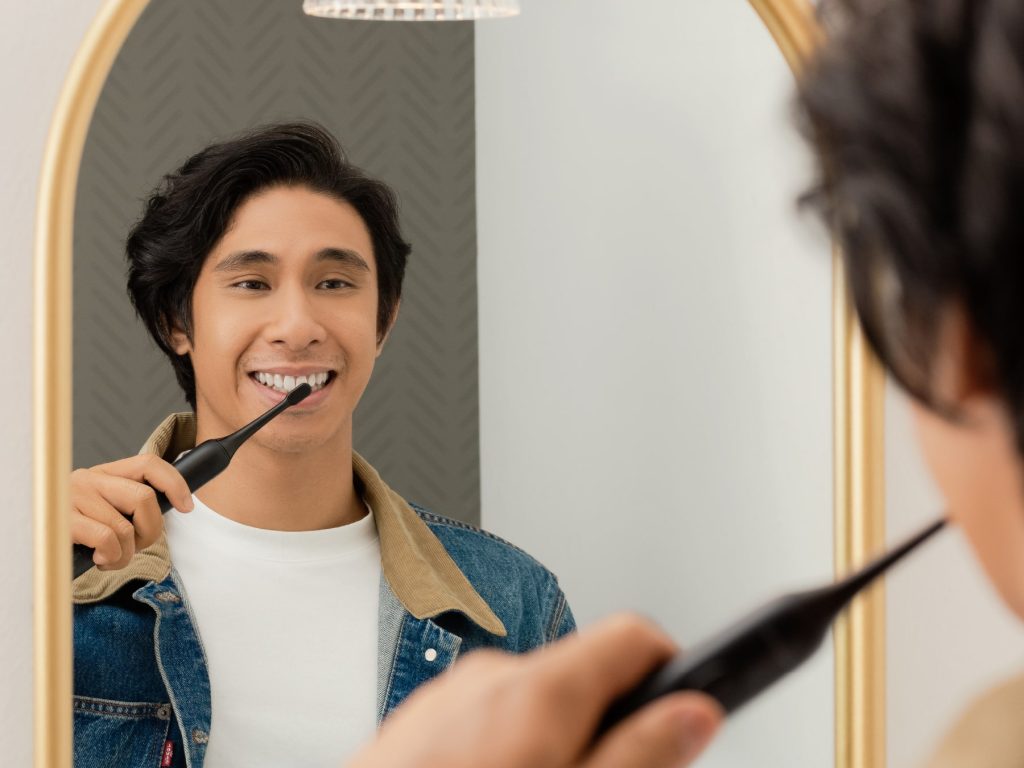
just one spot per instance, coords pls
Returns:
(306, 491)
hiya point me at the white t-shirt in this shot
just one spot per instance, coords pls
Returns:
(288, 621)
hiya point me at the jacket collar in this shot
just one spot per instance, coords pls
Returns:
(417, 567)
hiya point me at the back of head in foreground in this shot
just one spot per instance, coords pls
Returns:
(917, 110)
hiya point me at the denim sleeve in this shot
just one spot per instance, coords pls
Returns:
(568, 622)
(560, 619)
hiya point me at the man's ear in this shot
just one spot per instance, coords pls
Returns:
(391, 324)
(179, 341)
(963, 368)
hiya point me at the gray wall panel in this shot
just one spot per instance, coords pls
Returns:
(400, 97)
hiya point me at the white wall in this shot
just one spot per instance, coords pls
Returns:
(655, 328)
(38, 40)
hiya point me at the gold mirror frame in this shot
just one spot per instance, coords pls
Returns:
(857, 406)
(858, 478)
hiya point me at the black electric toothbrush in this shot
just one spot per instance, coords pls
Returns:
(200, 465)
(746, 658)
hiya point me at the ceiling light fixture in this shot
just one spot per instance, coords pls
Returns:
(412, 10)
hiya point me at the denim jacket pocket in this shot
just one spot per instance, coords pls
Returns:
(119, 734)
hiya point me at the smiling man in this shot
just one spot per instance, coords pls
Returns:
(279, 614)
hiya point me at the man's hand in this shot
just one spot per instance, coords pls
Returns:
(540, 710)
(116, 513)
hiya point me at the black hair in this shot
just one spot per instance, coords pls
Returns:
(916, 110)
(191, 209)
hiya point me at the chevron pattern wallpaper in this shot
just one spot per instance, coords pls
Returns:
(400, 97)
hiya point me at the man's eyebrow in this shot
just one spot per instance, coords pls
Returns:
(344, 256)
(243, 259)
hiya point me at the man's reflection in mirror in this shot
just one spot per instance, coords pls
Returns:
(280, 613)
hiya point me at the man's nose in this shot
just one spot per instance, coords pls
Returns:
(293, 320)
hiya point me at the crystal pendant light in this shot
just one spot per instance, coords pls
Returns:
(412, 10)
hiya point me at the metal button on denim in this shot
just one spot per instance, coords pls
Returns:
(163, 712)
(430, 655)
(199, 736)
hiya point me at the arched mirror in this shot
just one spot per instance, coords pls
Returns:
(619, 346)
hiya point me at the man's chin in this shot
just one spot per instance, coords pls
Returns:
(290, 444)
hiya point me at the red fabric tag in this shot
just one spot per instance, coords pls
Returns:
(168, 754)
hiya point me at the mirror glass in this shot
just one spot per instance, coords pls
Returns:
(655, 328)
(614, 344)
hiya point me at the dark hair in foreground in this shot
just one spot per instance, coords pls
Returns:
(189, 212)
(917, 109)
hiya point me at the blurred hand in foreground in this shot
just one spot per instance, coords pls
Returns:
(540, 710)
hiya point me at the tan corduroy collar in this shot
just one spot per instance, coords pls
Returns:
(416, 565)
(988, 733)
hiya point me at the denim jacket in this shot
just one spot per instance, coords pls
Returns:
(140, 676)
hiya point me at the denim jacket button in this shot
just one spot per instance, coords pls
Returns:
(430, 655)
(199, 736)
(167, 597)
(163, 712)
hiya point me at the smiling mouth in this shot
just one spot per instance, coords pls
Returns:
(285, 384)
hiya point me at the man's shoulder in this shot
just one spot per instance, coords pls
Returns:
(518, 588)
(471, 542)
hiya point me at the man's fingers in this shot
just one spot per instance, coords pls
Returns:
(584, 673)
(127, 507)
(153, 471)
(115, 509)
(131, 498)
(605, 660)
(103, 528)
(669, 732)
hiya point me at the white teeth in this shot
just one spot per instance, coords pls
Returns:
(288, 383)
(315, 380)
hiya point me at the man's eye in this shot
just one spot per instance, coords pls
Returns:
(251, 285)
(334, 284)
